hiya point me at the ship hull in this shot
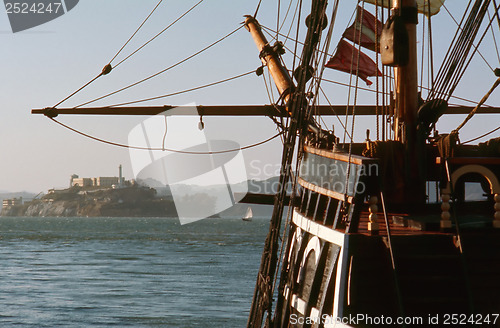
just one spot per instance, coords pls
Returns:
(334, 279)
(351, 263)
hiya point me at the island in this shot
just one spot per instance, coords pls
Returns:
(117, 197)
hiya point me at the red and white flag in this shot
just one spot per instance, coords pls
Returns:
(346, 59)
(364, 30)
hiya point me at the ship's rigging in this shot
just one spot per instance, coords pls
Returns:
(107, 69)
(402, 116)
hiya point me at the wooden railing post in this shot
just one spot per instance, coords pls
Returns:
(445, 214)
(373, 225)
(496, 221)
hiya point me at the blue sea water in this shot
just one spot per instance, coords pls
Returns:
(128, 272)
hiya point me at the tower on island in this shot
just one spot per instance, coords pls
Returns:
(120, 176)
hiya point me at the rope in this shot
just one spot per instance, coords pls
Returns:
(353, 19)
(496, 13)
(137, 30)
(481, 136)
(393, 261)
(430, 75)
(161, 32)
(269, 92)
(184, 91)
(162, 148)
(422, 54)
(483, 100)
(355, 103)
(297, 37)
(442, 76)
(456, 63)
(270, 79)
(473, 53)
(271, 31)
(74, 93)
(286, 16)
(493, 36)
(385, 78)
(164, 134)
(270, 95)
(107, 69)
(377, 81)
(324, 52)
(333, 110)
(430, 58)
(460, 28)
(278, 19)
(262, 301)
(257, 10)
(354, 16)
(162, 71)
(388, 94)
(291, 23)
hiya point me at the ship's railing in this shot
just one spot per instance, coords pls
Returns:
(458, 167)
(334, 186)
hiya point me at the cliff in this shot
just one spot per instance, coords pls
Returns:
(131, 201)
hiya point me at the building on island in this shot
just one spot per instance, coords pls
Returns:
(105, 181)
(108, 182)
(12, 202)
(82, 182)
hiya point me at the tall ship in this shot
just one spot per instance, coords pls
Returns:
(382, 232)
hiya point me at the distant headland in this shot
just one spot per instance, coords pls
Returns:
(97, 196)
(116, 197)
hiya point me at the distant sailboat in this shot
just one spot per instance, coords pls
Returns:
(248, 216)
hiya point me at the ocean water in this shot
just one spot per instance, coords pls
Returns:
(128, 272)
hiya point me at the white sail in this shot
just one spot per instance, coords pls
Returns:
(248, 216)
(422, 5)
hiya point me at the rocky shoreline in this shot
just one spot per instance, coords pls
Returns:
(82, 202)
(137, 200)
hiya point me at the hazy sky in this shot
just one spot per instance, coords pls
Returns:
(43, 65)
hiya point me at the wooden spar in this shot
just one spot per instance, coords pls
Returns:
(406, 89)
(406, 79)
(262, 199)
(271, 59)
(241, 110)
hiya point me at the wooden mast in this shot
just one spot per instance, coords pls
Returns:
(271, 59)
(406, 82)
(296, 102)
(406, 77)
